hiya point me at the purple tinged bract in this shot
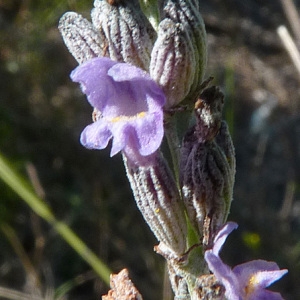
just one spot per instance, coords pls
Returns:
(246, 281)
(129, 103)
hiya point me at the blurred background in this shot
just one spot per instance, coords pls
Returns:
(42, 114)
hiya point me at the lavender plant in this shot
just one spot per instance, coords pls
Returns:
(141, 66)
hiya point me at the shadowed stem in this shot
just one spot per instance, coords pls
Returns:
(151, 10)
(174, 146)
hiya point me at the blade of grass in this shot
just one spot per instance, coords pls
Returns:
(290, 46)
(21, 253)
(24, 190)
(293, 17)
(66, 287)
(12, 294)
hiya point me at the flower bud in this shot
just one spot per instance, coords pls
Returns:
(207, 167)
(157, 198)
(178, 59)
(172, 62)
(129, 35)
(81, 38)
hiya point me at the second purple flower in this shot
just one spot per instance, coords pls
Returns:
(247, 281)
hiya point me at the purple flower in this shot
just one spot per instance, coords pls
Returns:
(245, 281)
(129, 104)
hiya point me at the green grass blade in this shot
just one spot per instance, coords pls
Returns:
(24, 190)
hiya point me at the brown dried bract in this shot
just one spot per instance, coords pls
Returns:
(122, 288)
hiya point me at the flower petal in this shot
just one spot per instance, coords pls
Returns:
(224, 274)
(121, 132)
(142, 85)
(96, 135)
(149, 131)
(143, 134)
(261, 273)
(127, 72)
(266, 278)
(222, 236)
(92, 75)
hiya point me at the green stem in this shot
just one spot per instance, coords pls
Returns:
(23, 189)
(150, 9)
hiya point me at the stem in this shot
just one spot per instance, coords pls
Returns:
(174, 145)
(151, 11)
